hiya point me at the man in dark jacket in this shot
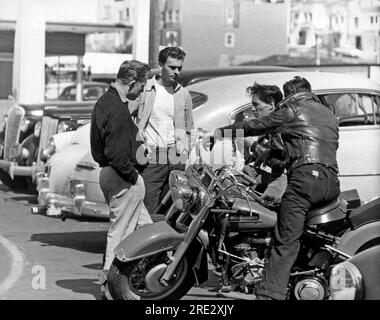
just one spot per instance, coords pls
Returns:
(310, 135)
(117, 147)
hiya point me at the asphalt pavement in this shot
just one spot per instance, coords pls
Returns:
(44, 258)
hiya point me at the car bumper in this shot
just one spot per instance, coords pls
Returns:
(16, 170)
(76, 204)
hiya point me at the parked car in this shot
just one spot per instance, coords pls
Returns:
(24, 133)
(92, 90)
(72, 184)
(62, 115)
(357, 278)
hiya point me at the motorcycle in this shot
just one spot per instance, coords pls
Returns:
(218, 214)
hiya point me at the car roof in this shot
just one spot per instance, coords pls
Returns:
(228, 92)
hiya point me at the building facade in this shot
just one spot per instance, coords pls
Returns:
(351, 24)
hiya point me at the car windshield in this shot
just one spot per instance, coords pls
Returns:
(198, 99)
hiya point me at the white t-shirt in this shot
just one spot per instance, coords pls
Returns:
(160, 128)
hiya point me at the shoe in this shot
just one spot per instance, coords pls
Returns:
(236, 295)
(104, 292)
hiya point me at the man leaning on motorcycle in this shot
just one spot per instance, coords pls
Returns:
(309, 131)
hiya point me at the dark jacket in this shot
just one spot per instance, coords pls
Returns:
(114, 136)
(309, 130)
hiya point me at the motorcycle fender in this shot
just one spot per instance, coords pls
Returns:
(353, 240)
(148, 240)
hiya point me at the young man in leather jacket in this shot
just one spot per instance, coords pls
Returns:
(310, 134)
(265, 161)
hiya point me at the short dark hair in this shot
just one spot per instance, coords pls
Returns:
(266, 93)
(297, 84)
(132, 70)
(174, 52)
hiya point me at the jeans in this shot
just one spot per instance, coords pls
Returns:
(156, 176)
(309, 186)
(127, 210)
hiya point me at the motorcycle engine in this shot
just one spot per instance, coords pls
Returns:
(311, 287)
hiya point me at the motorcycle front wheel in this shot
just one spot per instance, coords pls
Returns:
(139, 280)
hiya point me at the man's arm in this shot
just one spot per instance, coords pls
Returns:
(119, 145)
(262, 125)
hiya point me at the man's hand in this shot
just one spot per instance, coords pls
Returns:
(209, 137)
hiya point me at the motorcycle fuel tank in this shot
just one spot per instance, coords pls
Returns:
(247, 220)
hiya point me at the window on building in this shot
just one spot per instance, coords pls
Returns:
(310, 17)
(356, 22)
(172, 38)
(170, 16)
(230, 16)
(127, 14)
(372, 19)
(177, 16)
(121, 15)
(229, 40)
(342, 19)
(107, 12)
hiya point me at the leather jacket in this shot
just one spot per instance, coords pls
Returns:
(308, 128)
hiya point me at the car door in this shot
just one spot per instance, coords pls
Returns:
(359, 140)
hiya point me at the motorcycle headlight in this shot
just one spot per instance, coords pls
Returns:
(48, 151)
(176, 176)
(346, 282)
(183, 195)
(37, 129)
(62, 127)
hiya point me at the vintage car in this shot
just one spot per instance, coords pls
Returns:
(70, 181)
(357, 278)
(92, 90)
(23, 136)
(22, 149)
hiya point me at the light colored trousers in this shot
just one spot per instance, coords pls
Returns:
(127, 210)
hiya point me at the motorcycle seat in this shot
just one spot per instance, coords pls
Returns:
(325, 208)
(331, 211)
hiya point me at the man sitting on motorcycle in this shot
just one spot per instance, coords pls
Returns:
(310, 134)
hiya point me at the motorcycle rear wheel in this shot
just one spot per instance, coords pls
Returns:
(126, 281)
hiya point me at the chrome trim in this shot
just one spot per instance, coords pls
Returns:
(119, 255)
(15, 170)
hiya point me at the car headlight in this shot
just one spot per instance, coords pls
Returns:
(37, 128)
(346, 282)
(62, 127)
(183, 195)
(48, 151)
(24, 154)
(25, 125)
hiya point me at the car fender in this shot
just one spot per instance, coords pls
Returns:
(353, 241)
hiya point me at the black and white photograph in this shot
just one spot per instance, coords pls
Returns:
(199, 155)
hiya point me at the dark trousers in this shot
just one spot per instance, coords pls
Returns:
(308, 186)
(156, 176)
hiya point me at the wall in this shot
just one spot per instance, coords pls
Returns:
(261, 32)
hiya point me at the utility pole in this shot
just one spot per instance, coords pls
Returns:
(154, 33)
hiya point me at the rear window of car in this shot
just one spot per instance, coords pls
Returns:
(354, 109)
(198, 99)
